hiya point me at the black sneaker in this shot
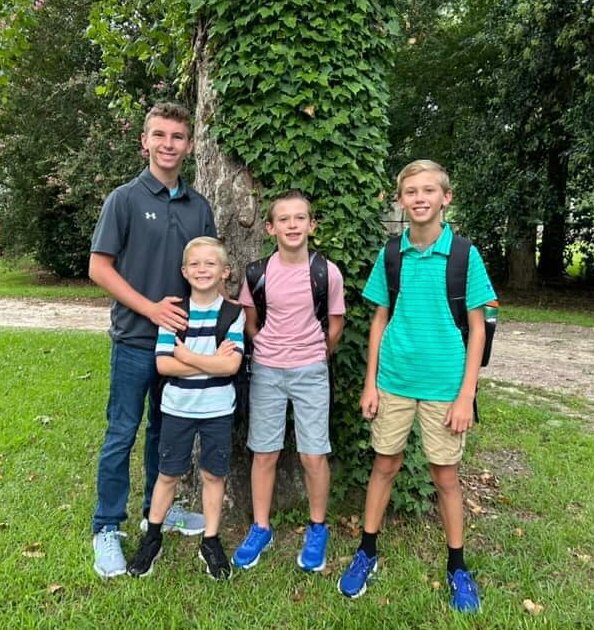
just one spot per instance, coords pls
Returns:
(142, 562)
(217, 564)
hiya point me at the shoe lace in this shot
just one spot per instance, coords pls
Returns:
(464, 583)
(111, 542)
(360, 564)
(253, 536)
(315, 537)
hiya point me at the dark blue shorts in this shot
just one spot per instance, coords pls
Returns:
(177, 442)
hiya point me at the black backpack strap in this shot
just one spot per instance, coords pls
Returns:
(228, 313)
(185, 304)
(318, 274)
(456, 276)
(393, 264)
(255, 275)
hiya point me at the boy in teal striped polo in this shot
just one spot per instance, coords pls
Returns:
(418, 366)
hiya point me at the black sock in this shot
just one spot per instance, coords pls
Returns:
(312, 523)
(369, 544)
(456, 560)
(154, 531)
(208, 539)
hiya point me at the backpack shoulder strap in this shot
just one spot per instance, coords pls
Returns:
(185, 304)
(228, 313)
(456, 276)
(393, 264)
(318, 274)
(255, 275)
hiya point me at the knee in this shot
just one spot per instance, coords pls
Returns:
(209, 478)
(445, 478)
(167, 480)
(265, 461)
(387, 466)
(314, 463)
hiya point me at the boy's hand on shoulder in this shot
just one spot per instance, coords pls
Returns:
(226, 349)
(460, 414)
(168, 314)
(369, 402)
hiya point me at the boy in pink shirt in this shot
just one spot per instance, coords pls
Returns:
(290, 363)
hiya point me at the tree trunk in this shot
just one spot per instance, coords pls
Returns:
(551, 264)
(235, 199)
(521, 253)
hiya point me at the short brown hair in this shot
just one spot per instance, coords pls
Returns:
(170, 111)
(421, 166)
(287, 196)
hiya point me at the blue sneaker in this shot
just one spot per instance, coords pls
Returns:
(313, 553)
(179, 520)
(109, 559)
(259, 539)
(353, 582)
(465, 597)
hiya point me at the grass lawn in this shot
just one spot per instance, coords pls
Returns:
(22, 279)
(528, 475)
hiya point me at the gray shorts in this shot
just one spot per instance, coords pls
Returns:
(308, 388)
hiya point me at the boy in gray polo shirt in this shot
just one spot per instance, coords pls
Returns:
(136, 254)
(418, 366)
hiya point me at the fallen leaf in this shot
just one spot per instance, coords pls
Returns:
(519, 532)
(310, 110)
(64, 507)
(33, 554)
(435, 585)
(299, 530)
(583, 557)
(383, 601)
(54, 588)
(531, 607)
(45, 420)
(327, 570)
(354, 519)
(32, 477)
(298, 595)
(3, 525)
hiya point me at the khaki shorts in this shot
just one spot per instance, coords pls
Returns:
(391, 427)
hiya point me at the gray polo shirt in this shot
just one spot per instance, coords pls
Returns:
(146, 230)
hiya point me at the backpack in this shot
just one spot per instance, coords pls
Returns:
(255, 275)
(456, 275)
(228, 313)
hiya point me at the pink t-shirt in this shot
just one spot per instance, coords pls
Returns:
(292, 335)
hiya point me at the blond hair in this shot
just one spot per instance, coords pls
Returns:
(422, 166)
(206, 241)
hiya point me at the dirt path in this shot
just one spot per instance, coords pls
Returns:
(549, 356)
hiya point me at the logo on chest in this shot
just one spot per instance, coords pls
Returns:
(150, 215)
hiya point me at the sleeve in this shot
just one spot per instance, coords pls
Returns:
(210, 228)
(335, 291)
(376, 288)
(165, 343)
(111, 230)
(479, 289)
(245, 296)
(235, 332)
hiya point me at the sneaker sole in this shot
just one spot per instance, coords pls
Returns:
(363, 590)
(110, 574)
(172, 528)
(210, 575)
(255, 561)
(320, 567)
(149, 570)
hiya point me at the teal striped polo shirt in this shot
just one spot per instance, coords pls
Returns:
(422, 355)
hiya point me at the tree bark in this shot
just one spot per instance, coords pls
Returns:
(235, 199)
(521, 253)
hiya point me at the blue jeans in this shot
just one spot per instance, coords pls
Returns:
(133, 375)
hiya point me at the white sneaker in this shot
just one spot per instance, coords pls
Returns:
(179, 520)
(109, 559)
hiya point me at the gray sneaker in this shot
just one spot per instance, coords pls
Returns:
(109, 559)
(179, 520)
